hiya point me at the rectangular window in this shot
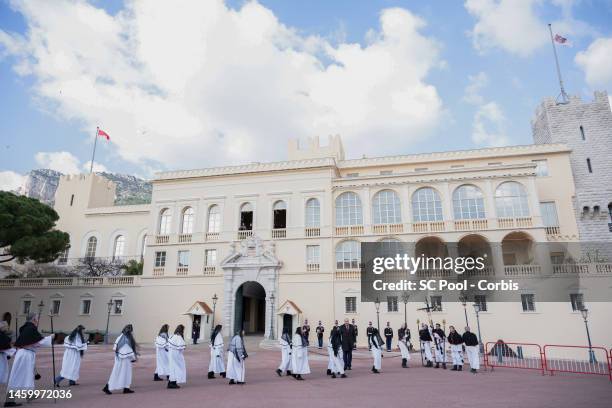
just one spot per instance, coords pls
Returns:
(183, 259)
(589, 165)
(549, 214)
(160, 259)
(63, 258)
(557, 258)
(350, 304)
(392, 304)
(210, 257)
(86, 306)
(117, 306)
(481, 300)
(541, 167)
(582, 133)
(436, 303)
(528, 302)
(313, 254)
(55, 306)
(26, 305)
(577, 300)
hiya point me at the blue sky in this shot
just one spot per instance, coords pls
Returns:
(201, 85)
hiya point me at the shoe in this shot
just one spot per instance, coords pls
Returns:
(299, 377)
(429, 364)
(289, 373)
(172, 384)
(437, 365)
(333, 375)
(350, 368)
(404, 361)
(454, 368)
(279, 372)
(211, 375)
(106, 390)
(127, 391)
(37, 376)
(375, 371)
(240, 382)
(72, 383)
(156, 377)
(444, 366)
(459, 368)
(329, 372)
(222, 374)
(231, 382)
(343, 376)
(473, 371)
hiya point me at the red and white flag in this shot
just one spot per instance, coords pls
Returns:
(561, 40)
(103, 134)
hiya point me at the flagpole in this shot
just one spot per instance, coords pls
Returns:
(552, 41)
(93, 155)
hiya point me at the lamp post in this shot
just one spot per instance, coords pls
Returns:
(405, 297)
(377, 305)
(40, 309)
(585, 315)
(214, 299)
(477, 310)
(272, 316)
(464, 299)
(110, 306)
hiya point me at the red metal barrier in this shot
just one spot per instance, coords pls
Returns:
(577, 360)
(526, 356)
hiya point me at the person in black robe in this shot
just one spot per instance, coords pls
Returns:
(320, 330)
(195, 332)
(356, 333)
(456, 341)
(347, 336)
(472, 349)
(426, 339)
(336, 343)
(369, 334)
(388, 336)
(306, 332)
(440, 342)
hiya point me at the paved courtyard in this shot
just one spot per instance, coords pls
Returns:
(417, 386)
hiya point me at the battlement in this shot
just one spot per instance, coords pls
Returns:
(84, 191)
(314, 150)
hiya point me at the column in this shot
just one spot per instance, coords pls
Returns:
(498, 258)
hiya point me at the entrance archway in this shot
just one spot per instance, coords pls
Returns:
(250, 308)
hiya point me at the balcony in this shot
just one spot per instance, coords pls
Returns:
(162, 239)
(312, 267)
(431, 226)
(347, 274)
(212, 236)
(209, 270)
(312, 232)
(185, 238)
(182, 271)
(278, 233)
(522, 270)
(519, 222)
(349, 230)
(158, 271)
(244, 234)
(385, 229)
(471, 225)
(61, 282)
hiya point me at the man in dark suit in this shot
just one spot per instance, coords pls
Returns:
(347, 334)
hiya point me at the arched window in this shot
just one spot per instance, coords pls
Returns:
(313, 213)
(279, 215)
(348, 255)
(386, 208)
(511, 200)
(187, 224)
(426, 205)
(246, 217)
(92, 245)
(468, 203)
(348, 209)
(214, 219)
(165, 221)
(119, 247)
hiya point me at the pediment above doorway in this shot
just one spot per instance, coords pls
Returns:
(289, 308)
(199, 308)
(251, 253)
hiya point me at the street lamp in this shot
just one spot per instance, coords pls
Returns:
(477, 310)
(405, 297)
(464, 299)
(214, 299)
(272, 316)
(110, 306)
(377, 305)
(40, 309)
(585, 315)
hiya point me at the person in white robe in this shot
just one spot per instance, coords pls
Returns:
(22, 374)
(403, 337)
(299, 355)
(334, 348)
(176, 347)
(235, 359)
(162, 365)
(426, 339)
(377, 343)
(472, 349)
(456, 345)
(6, 351)
(286, 349)
(217, 360)
(74, 348)
(440, 346)
(125, 355)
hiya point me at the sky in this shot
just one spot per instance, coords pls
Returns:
(192, 84)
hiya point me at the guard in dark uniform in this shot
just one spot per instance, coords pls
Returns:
(369, 331)
(356, 333)
(320, 330)
(388, 335)
(306, 332)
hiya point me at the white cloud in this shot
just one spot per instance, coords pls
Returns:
(476, 83)
(64, 162)
(97, 167)
(488, 127)
(10, 181)
(596, 62)
(220, 85)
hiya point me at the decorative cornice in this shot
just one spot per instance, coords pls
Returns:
(119, 209)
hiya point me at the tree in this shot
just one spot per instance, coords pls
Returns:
(133, 267)
(98, 267)
(27, 230)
